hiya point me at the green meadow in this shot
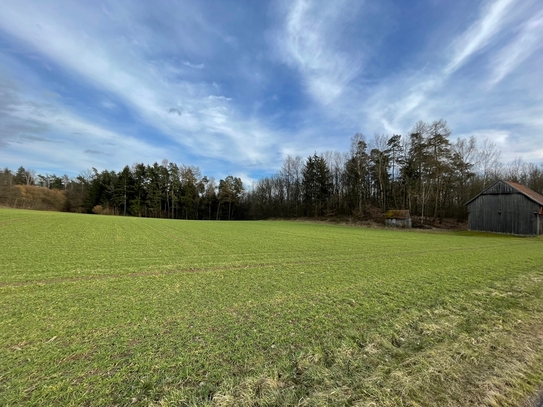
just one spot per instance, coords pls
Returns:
(114, 311)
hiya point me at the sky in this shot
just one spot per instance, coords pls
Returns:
(233, 87)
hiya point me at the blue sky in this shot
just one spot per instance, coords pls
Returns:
(235, 86)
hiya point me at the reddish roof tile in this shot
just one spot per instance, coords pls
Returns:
(534, 196)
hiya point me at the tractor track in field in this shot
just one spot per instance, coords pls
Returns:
(227, 268)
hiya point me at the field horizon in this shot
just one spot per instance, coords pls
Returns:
(100, 310)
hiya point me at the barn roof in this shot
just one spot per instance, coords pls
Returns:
(527, 192)
(534, 196)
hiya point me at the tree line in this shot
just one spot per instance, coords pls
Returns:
(424, 172)
(164, 190)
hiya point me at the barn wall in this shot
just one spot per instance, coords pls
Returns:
(500, 188)
(503, 210)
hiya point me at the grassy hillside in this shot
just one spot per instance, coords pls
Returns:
(99, 310)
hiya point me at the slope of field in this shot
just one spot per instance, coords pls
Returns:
(99, 310)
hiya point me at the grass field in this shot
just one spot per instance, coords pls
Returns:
(105, 311)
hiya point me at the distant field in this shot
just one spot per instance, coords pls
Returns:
(105, 311)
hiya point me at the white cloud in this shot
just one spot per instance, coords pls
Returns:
(108, 104)
(222, 98)
(310, 42)
(494, 15)
(529, 40)
(75, 144)
(433, 93)
(164, 69)
(195, 66)
(498, 137)
(120, 65)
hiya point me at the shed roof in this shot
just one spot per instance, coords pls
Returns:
(530, 194)
(397, 214)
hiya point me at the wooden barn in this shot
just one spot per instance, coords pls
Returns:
(507, 207)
